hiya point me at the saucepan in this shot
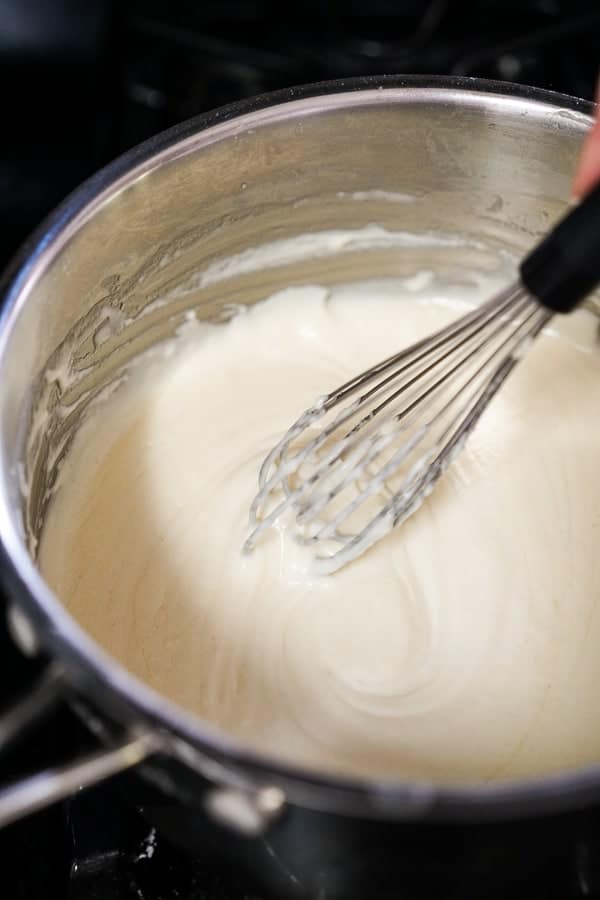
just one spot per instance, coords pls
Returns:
(97, 284)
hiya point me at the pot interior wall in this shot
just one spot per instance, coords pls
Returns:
(492, 170)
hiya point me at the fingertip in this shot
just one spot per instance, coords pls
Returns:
(588, 169)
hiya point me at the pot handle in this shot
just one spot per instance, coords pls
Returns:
(34, 792)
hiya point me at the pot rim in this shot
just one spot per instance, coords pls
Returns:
(90, 669)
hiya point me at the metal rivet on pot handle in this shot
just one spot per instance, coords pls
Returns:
(21, 630)
(247, 812)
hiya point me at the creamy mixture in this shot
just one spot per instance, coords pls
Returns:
(465, 646)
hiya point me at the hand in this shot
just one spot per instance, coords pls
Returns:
(588, 170)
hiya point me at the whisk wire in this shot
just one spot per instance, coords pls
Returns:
(397, 437)
(317, 503)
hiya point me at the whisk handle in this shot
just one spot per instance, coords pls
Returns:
(565, 266)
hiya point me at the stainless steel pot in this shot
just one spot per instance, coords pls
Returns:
(491, 163)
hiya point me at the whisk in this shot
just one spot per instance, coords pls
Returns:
(363, 458)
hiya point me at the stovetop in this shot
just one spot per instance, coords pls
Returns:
(87, 81)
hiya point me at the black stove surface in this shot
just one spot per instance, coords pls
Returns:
(131, 860)
(87, 81)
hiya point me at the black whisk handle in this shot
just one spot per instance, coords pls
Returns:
(565, 267)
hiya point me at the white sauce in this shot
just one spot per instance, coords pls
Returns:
(465, 646)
